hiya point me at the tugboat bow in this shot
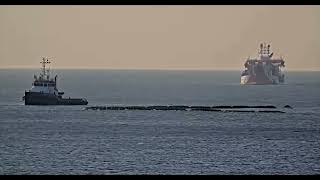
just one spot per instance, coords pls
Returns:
(263, 69)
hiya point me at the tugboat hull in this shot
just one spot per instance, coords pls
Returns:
(256, 80)
(36, 98)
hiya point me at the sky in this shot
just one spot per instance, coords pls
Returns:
(209, 37)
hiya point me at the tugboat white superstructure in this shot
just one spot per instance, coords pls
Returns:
(263, 69)
(44, 91)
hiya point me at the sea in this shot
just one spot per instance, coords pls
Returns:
(70, 140)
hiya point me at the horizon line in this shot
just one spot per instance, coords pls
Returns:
(160, 69)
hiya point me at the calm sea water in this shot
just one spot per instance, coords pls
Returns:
(68, 140)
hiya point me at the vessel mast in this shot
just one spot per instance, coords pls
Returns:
(44, 62)
(264, 50)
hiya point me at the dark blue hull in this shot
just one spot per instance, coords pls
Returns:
(36, 98)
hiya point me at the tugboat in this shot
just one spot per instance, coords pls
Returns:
(263, 69)
(44, 91)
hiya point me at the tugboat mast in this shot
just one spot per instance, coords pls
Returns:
(44, 62)
(264, 49)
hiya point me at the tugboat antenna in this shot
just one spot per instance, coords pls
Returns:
(44, 62)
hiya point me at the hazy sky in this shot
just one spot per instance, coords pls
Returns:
(157, 37)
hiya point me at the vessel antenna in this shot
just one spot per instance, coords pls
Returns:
(44, 62)
(261, 49)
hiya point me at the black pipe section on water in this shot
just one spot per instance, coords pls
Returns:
(271, 111)
(188, 108)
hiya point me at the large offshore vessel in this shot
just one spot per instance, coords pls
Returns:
(44, 91)
(263, 69)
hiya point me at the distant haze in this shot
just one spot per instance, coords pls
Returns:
(157, 37)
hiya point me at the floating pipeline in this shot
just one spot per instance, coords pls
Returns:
(271, 111)
(288, 106)
(190, 108)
